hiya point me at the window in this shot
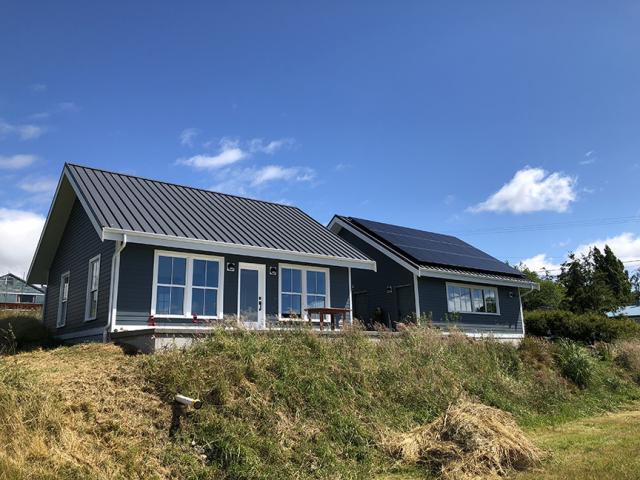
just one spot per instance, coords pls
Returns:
(63, 300)
(204, 293)
(471, 299)
(171, 278)
(91, 308)
(186, 285)
(302, 288)
(23, 298)
(291, 286)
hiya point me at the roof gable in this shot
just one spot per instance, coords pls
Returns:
(153, 212)
(11, 283)
(432, 249)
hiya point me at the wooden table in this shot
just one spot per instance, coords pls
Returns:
(322, 311)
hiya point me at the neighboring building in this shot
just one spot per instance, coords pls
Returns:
(15, 293)
(433, 275)
(632, 312)
(124, 254)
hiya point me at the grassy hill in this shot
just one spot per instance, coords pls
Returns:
(280, 406)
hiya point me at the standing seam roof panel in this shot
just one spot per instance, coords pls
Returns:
(137, 204)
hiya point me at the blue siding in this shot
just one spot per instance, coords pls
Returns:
(380, 288)
(136, 284)
(79, 243)
(433, 298)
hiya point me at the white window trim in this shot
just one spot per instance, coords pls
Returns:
(59, 323)
(476, 286)
(188, 284)
(304, 269)
(87, 300)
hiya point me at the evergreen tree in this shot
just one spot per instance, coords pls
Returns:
(575, 278)
(595, 282)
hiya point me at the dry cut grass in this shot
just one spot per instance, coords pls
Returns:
(79, 412)
(467, 441)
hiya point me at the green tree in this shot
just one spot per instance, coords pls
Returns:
(550, 295)
(575, 278)
(635, 286)
(595, 282)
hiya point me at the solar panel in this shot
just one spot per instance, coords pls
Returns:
(435, 248)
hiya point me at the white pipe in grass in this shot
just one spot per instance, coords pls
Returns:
(189, 402)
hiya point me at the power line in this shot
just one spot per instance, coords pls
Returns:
(595, 222)
(559, 269)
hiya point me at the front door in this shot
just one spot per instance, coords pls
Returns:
(251, 295)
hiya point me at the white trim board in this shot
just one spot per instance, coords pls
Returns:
(224, 248)
(188, 286)
(303, 285)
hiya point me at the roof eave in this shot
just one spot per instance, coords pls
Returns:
(478, 277)
(170, 241)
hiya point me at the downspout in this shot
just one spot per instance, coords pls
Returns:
(113, 291)
(531, 289)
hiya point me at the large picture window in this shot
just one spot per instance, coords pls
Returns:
(302, 288)
(472, 299)
(187, 285)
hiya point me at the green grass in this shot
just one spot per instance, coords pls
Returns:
(600, 448)
(295, 405)
(288, 405)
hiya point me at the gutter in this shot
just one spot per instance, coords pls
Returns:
(113, 290)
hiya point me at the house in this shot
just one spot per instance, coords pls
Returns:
(16, 294)
(148, 262)
(632, 312)
(438, 276)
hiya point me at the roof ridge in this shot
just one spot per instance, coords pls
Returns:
(173, 184)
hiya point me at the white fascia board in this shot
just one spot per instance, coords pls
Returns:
(169, 241)
(501, 336)
(471, 277)
(375, 244)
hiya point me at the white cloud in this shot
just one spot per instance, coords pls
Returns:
(626, 246)
(272, 173)
(532, 190)
(541, 262)
(230, 153)
(16, 162)
(187, 135)
(259, 145)
(230, 150)
(44, 185)
(449, 199)
(20, 233)
(67, 107)
(23, 132)
(247, 181)
(340, 167)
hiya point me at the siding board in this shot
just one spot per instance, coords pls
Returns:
(79, 243)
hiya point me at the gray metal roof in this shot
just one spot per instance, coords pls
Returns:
(128, 203)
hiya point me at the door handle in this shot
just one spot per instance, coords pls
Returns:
(259, 304)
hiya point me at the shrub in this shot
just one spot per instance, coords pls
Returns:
(628, 357)
(587, 327)
(23, 331)
(574, 362)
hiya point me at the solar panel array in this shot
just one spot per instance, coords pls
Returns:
(434, 248)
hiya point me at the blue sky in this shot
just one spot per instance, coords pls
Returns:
(473, 118)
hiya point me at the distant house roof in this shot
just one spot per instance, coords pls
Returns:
(435, 252)
(152, 211)
(12, 284)
(630, 311)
